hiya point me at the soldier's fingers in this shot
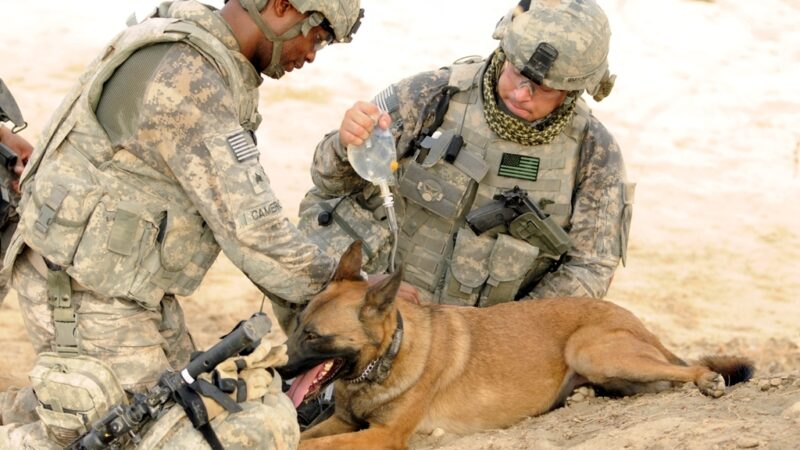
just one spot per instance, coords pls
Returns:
(385, 121)
(348, 138)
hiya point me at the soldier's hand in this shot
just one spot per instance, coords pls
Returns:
(21, 147)
(359, 121)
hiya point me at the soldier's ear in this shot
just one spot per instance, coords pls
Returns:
(349, 267)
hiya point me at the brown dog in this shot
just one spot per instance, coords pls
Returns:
(402, 367)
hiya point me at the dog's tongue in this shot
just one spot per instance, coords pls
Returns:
(301, 385)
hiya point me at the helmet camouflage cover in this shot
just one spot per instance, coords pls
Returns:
(561, 44)
(344, 16)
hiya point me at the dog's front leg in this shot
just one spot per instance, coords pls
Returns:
(376, 437)
(329, 426)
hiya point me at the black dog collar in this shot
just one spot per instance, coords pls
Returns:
(378, 369)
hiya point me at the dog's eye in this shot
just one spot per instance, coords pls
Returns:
(310, 335)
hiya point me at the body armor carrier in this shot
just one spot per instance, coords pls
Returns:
(444, 182)
(456, 168)
(119, 227)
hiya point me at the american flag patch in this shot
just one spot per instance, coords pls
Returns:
(242, 146)
(519, 166)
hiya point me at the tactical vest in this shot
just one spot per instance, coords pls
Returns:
(441, 254)
(119, 227)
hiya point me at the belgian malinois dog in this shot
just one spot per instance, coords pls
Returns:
(402, 367)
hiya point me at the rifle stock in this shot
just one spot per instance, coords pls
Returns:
(123, 421)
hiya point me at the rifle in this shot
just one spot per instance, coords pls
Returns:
(524, 220)
(126, 421)
(9, 111)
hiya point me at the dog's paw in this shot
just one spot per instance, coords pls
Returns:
(711, 384)
(581, 394)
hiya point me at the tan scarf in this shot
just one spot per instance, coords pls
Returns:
(514, 129)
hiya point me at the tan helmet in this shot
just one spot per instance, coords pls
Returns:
(561, 44)
(342, 17)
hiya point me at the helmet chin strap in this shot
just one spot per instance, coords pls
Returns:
(274, 70)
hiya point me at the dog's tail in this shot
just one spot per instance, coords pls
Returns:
(734, 369)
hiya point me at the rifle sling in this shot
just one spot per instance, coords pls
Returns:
(197, 414)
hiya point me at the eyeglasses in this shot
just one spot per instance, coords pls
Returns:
(523, 82)
(322, 39)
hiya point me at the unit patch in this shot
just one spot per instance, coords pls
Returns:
(258, 179)
(242, 146)
(519, 166)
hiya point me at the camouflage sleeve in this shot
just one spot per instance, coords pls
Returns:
(330, 170)
(189, 120)
(599, 222)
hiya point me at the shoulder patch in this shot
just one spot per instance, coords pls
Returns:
(387, 100)
(242, 146)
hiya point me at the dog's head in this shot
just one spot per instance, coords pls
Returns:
(342, 329)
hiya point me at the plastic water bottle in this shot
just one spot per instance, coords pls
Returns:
(376, 161)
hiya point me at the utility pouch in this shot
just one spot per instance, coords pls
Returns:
(57, 210)
(543, 234)
(333, 224)
(73, 392)
(469, 268)
(440, 193)
(117, 238)
(510, 261)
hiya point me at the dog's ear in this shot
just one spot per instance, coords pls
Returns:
(349, 267)
(381, 296)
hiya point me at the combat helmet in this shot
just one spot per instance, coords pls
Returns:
(342, 17)
(561, 44)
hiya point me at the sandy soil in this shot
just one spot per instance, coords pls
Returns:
(706, 108)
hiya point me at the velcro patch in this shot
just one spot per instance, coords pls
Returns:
(519, 166)
(242, 146)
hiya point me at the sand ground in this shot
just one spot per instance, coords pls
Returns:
(706, 108)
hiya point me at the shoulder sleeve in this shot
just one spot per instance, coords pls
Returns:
(189, 120)
(598, 227)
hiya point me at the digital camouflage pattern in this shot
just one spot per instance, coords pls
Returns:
(578, 30)
(343, 15)
(142, 217)
(269, 423)
(595, 212)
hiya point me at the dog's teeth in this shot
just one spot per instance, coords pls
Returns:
(328, 366)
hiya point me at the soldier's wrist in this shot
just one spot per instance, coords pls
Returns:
(339, 149)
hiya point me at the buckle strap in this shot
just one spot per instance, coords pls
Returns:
(59, 296)
(49, 210)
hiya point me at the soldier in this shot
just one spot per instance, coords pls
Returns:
(148, 168)
(14, 154)
(467, 136)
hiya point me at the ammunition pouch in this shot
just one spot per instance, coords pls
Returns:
(73, 392)
(469, 268)
(485, 271)
(509, 263)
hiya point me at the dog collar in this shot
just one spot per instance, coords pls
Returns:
(378, 369)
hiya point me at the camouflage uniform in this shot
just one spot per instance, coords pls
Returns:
(147, 169)
(578, 178)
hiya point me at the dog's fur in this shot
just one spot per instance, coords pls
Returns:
(468, 369)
